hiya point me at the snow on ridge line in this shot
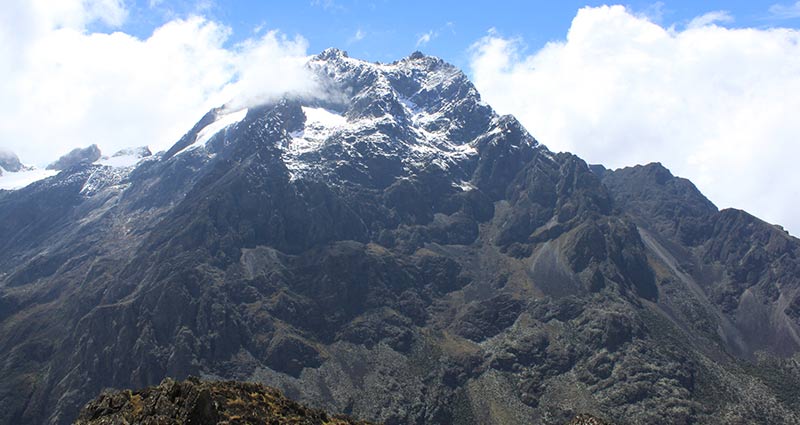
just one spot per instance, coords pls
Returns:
(20, 179)
(222, 122)
(121, 161)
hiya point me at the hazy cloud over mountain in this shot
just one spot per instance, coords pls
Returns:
(71, 87)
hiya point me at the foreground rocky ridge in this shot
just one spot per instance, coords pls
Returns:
(198, 402)
(203, 402)
(402, 254)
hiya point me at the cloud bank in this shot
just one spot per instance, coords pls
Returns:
(64, 86)
(716, 105)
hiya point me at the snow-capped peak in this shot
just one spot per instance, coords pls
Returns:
(418, 111)
(402, 117)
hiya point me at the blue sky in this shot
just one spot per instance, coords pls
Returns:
(388, 30)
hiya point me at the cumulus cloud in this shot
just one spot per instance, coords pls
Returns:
(64, 86)
(710, 18)
(712, 104)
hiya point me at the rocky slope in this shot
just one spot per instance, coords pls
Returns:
(204, 402)
(198, 402)
(584, 419)
(401, 253)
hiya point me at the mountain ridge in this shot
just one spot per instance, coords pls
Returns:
(406, 256)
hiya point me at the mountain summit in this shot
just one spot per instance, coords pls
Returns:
(396, 251)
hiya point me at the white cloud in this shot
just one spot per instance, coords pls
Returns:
(425, 38)
(76, 14)
(712, 104)
(65, 87)
(270, 67)
(447, 28)
(785, 12)
(653, 12)
(328, 5)
(358, 36)
(710, 18)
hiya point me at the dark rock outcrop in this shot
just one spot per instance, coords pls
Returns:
(9, 161)
(77, 156)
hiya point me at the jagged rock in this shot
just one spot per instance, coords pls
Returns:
(9, 161)
(140, 152)
(488, 318)
(671, 205)
(75, 157)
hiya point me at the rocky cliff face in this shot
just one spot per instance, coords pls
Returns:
(401, 253)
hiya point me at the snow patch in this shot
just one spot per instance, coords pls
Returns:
(465, 186)
(320, 124)
(121, 161)
(222, 122)
(20, 179)
(323, 117)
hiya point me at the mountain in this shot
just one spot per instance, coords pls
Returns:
(14, 174)
(398, 252)
(114, 166)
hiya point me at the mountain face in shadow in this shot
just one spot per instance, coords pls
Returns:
(402, 254)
